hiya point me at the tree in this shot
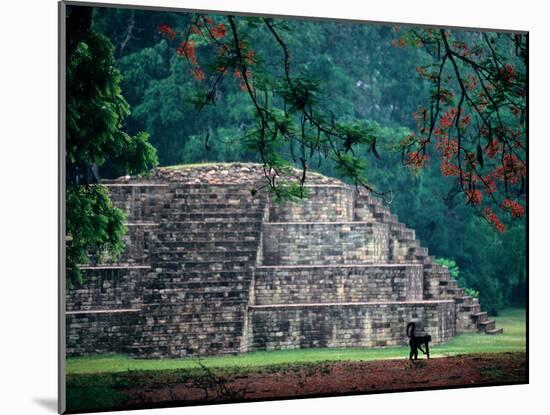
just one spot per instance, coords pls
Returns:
(95, 119)
(477, 115)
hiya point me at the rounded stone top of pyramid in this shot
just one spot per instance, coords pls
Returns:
(224, 173)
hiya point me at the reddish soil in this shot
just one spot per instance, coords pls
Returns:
(336, 379)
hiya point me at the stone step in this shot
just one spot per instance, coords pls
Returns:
(281, 267)
(207, 206)
(188, 296)
(486, 325)
(464, 300)
(183, 257)
(215, 245)
(480, 317)
(190, 226)
(495, 331)
(206, 266)
(469, 308)
(214, 235)
(211, 187)
(215, 216)
(459, 292)
(382, 217)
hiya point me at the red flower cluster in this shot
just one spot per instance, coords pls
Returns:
(494, 220)
(516, 210)
(465, 121)
(471, 82)
(187, 49)
(449, 169)
(508, 73)
(167, 31)
(512, 169)
(446, 95)
(197, 73)
(448, 118)
(238, 74)
(474, 196)
(416, 160)
(490, 184)
(218, 31)
(399, 43)
(448, 147)
(493, 148)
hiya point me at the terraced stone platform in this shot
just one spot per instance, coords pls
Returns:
(212, 267)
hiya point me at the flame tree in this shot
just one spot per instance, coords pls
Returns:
(475, 120)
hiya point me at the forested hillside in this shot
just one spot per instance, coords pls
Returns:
(364, 75)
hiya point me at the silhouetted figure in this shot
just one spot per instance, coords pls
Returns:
(416, 342)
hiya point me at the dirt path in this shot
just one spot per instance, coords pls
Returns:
(336, 379)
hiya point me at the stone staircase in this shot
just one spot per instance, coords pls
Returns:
(204, 252)
(438, 283)
(325, 270)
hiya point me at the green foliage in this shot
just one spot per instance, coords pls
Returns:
(95, 112)
(451, 266)
(95, 226)
(471, 292)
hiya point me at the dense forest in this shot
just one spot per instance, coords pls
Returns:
(362, 74)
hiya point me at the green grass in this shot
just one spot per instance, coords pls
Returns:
(513, 339)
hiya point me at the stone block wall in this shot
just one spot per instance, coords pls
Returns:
(332, 284)
(346, 324)
(110, 287)
(300, 243)
(326, 203)
(93, 332)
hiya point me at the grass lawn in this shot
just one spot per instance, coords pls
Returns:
(513, 339)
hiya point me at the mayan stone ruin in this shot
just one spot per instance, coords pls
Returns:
(214, 268)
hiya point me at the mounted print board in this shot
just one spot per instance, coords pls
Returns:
(260, 207)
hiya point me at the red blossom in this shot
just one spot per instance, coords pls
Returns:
(195, 29)
(249, 57)
(512, 169)
(187, 49)
(448, 169)
(493, 148)
(219, 31)
(474, 196)
(448, 118)
(471, 82)
(416, 160)
(494, 220)
(447, 147)
(445, 95)
(465, 121)
(197, 73)
(398, 43)
(238, 74)
(508, 73)
(516, 210)
(167, 31)
(489, 184)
